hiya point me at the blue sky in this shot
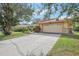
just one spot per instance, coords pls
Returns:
(37, 6)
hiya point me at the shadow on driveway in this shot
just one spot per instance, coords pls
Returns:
(48, 34)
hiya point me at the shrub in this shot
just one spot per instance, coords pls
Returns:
(20, 29)
(76, 28)
(36, 29)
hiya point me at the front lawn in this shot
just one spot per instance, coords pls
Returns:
(67, 45)
(13, 35)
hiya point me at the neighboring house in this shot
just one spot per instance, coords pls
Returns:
(53, 26)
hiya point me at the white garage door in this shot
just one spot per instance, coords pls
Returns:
(54, 28)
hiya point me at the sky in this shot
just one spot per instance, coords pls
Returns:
(37, 6)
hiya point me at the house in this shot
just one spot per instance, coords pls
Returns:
(53, 26)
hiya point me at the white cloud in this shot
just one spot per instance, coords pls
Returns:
(23, 22)
(36, 11)
(62, 17)
(43, 12)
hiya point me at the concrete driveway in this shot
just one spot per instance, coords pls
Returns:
(36, 44)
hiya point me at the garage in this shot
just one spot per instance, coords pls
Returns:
(55, 28)
(51, 26)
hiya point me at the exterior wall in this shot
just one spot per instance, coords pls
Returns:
(52, 27)
(67, 27)
(61, 27)
(41, 26)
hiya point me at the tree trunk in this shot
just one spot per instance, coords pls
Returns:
(7, 28)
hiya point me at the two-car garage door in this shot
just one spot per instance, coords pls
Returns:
(53, 28)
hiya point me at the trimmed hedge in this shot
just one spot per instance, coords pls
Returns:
(26, 29)
(21, 29)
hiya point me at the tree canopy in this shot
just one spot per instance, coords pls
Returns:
(10, 13)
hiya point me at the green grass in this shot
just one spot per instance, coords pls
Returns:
(13, 35)
(67, 45)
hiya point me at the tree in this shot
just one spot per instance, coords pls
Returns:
(51, 9)
(71, 10)
(10, 13)
(6, 15)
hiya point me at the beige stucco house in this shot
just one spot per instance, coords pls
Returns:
(53, 26)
